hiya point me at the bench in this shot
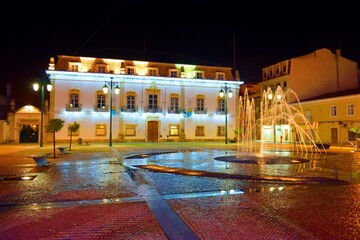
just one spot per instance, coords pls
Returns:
(40, 158)
(62, 149)
(324, 146)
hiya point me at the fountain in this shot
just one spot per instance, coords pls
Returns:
(279, 122)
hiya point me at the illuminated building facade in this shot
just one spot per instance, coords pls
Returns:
(316, 78)
(157, 101)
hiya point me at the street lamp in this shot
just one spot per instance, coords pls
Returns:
(274, 106)
(44, 80)
(226, 92)
(117, 91)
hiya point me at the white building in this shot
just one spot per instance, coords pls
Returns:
(156, 102)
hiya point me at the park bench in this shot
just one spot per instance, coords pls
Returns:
(62, 149)
(40, 158)
(322, 146)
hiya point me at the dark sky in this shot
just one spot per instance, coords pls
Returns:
(254, 33)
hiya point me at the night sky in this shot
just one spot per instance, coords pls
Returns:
(249, 35)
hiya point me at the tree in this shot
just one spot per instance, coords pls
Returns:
(356, 130)
(72, 129)
(54, 126)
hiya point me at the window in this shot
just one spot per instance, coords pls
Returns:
(74, 66)
(200, 131)
(153, 101)
(130, 103)
(220, 75)
(101, 100)
(152, 72)
(174, 102)
(101, 68)
(130, 71)
(74, 100)
(333, 111)
(73, 104)
(220, 131)
(174, 130)
(173, 73)
(221, 105)
(130, 130)
(199, 75)
(200, 104)
(100, 130)
(351, 110)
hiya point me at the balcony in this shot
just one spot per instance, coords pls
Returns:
(172, 110)
(152, 109)
(220, 111)
(98, 108)
(72, 108)
(200, 111)
(132, 109)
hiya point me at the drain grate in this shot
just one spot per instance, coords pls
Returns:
(17, 178)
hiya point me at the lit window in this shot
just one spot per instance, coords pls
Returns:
(220, 131)
(174, 130)
(130, 130)
(200, 131)
(100, 130)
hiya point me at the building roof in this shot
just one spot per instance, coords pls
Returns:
(335, 94)
(151, 56)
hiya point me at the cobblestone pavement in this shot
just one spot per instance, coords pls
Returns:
(98, 192)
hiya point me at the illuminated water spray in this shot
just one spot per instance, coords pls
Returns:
(277, 122)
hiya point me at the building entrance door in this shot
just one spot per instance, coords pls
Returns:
(334, 135)
(153, 129)
(28, 134)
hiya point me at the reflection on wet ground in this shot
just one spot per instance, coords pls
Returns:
(342, 167)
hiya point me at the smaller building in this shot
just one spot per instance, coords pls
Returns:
(24, 124)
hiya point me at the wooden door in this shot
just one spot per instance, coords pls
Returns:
(334, 135)
(153, 131)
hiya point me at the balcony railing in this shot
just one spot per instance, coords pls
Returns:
(129, 109)
(98, 108)
(71, 108)
(152, 109)
(220, 111)
(200, 111)
(172, 110)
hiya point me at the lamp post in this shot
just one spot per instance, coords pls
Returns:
(226, 92)
(274, 106)
(117, 91)
(44, 80)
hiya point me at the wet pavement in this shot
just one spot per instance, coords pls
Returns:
(177, 191)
